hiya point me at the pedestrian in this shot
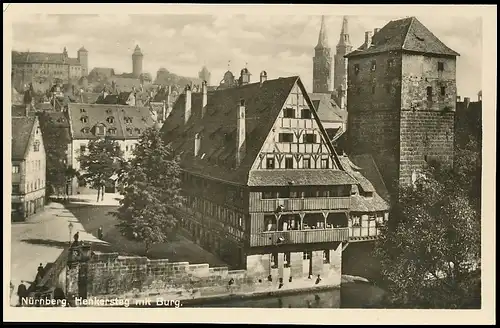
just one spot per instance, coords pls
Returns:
(76, 236)
(318, 279)
(40, 269)
(99, 233)
(22, 292)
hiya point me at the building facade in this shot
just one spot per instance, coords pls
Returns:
(121, 123)
(401, 99)
(44, 69)
(28, 167)
(322, 62)
(265, 190)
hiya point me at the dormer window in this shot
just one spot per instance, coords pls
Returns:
(129, 130)
(100, 130)
(110, 119)
(108, 111)
(85, 130)
(289, 112)
(373, 66)
(84, 119)
(112, 131)
(137, 130)
(82, 110)
(128, 119)
(440, 66)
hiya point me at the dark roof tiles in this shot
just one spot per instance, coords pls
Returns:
(299, 177)
(407, 34)
(22, 129)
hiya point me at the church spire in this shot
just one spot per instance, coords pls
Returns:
(323, 38)
(344, 33)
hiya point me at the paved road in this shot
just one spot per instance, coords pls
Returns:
(40, 240)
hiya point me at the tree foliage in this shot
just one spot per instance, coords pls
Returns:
(430, 250)
(102, 161)
(55, 140)
(151, 192)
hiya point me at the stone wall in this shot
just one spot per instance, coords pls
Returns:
(110, 275)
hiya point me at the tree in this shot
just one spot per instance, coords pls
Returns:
(101, 163)
(55, 140)
(430, 249)
(151, 192)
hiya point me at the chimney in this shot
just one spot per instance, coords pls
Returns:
(467, 102)
(263, 77)
(187, 104)
(342, 97)
(240, 133)
(203, 98)
(375, 30)
(197, 144)
(459, 98)
(368, 39)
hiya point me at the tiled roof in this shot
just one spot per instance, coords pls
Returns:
(89, 97)
(37, 57)
(98, 114)
(22, 128)
(368, 204)
(101, 71)
(326, 107)
(217, 129)
(73, 61)
(299, 177)
(126, 83)
(369, 170)
(406, 34)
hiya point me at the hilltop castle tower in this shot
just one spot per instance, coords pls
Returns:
(340, 67)
(137, 57)
(204, 75)
(83, 59)
(322, 62)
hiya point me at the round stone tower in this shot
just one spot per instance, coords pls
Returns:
(137, 57)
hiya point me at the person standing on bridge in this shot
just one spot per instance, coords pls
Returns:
(99, 233)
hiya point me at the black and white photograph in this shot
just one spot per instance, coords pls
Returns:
(292, 157)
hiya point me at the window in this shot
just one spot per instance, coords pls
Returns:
(15, 189)
(390, 63)
(285, 137)
(306, 255)
(284, 194)
(240, 222)
(373, 66)
(324, 163)
(268, 195)
(295, 194)
(112, 131)
(100, 130)
(128, 120)
(111, 119)
(326, 256)
(129, 130)
(137, 130)
(270, 163)
(356, 69)
(126, 148)
(356, 221)
(440, 66)
(289, 163)
(84, 119)
(82, 148)
(306, 163)
(305, 113)
(429, 93)
(309, 138)
(15, 169)
(443, 91)
(289, 112)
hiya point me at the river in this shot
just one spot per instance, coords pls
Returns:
(350, 295)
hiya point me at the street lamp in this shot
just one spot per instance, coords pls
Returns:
(70, 228)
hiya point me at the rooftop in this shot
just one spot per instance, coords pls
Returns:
(22, 129)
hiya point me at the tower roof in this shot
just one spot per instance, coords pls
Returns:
(82, 49)
(323, 38)
(344, 33)
(407, 34)
(137, 50)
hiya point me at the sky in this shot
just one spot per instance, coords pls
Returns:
(280, 45)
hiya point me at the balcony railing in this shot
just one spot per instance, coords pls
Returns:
(302, 204)
(299, 236)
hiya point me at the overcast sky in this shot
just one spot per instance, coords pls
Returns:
(281, 45)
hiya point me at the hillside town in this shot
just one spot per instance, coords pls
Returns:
(252, 184)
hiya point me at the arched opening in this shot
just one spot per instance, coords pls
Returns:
(270, 223)
(336, 220)
(313, 221)
(289, 222)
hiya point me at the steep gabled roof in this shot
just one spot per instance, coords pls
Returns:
(22, 129)
(218, 127)
(99, 113)
(327, 109)
(407, 34)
